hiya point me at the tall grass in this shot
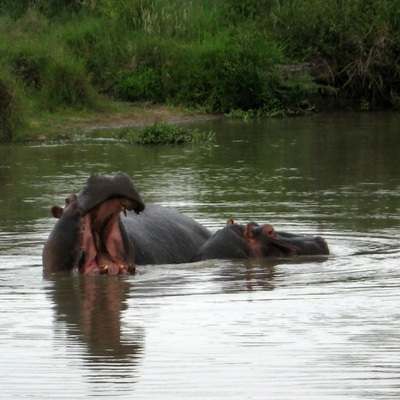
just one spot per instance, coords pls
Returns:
(186, 20)
(11, 115)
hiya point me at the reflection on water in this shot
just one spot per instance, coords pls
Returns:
(88, 312)
(309, 328)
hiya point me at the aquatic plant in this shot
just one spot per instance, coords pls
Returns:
(163, 133)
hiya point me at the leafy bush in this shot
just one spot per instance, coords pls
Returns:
(17, 8)
(11, 117)
(216, 75)
(359, 36)
(163, 133)
(133, 13)
(146, 85)
(29, 64)
(66, 83)
(102, 46)
(249, 9)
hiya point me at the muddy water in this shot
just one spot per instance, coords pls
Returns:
(279, 329)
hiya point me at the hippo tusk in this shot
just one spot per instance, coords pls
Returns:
(126, 205)
(104, 269)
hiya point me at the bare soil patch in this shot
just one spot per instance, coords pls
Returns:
(136, 116)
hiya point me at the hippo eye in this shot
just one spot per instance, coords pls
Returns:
(67, 200)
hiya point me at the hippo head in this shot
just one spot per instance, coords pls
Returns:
(264, 241)
(236, 241)
(89, 236)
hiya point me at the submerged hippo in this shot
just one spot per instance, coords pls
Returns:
(254, 241)
(106, 228)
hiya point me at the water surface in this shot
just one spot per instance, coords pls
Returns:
(281, 329)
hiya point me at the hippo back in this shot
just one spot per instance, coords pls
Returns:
(161, 235)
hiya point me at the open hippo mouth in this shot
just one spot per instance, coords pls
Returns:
(90, 236)
(104, 246)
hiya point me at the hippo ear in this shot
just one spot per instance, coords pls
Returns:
(230, 222)
(249, 231)
(56, 211)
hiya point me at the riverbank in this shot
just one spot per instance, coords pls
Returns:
(120, 116)
(242, 58)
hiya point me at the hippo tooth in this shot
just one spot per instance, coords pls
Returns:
(104, 269)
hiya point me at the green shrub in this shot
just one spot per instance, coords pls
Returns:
(67, 84)
(146, 85)
(163, 133)
(11, 115)
(249, 9)
(180, 19)
(133, 13)
(359, 36)
(220, 76)
(102, 45)
(217, 75)
(17, 8)
(29, 63)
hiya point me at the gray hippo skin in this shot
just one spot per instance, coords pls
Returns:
(106, 228)
(255, 241)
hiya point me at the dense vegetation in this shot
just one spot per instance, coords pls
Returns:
(264, 57)
(163, 133)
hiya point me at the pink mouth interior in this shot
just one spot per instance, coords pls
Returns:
(102, 246)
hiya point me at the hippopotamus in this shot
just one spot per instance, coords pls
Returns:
(107, 229)
(235, 241)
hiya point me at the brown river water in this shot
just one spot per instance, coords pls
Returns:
(304, 328)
